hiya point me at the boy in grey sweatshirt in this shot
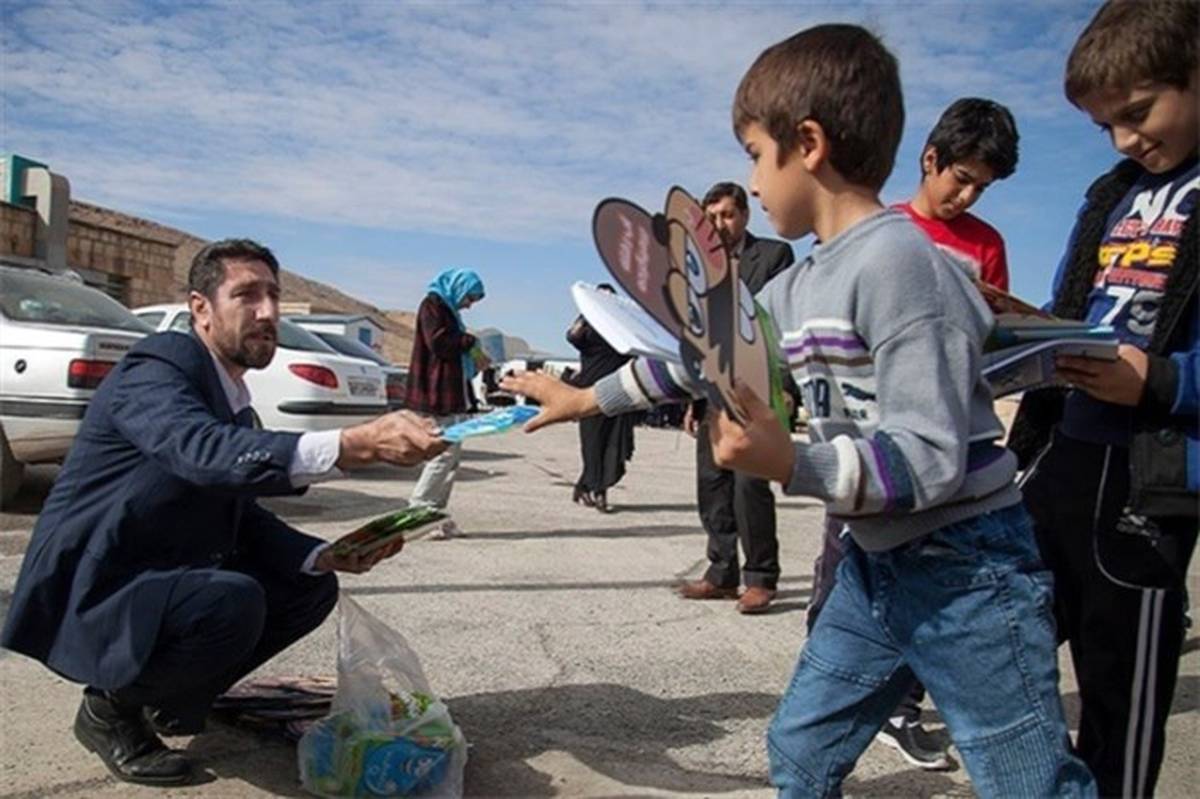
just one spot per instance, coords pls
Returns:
(942, 578)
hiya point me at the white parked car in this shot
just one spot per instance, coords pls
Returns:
(58, 339)
(307, 386)
(395, 377)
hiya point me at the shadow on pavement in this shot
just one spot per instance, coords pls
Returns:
(691, 506)
(583, 531)
(465, 473)
(469, 454)
(35, 487)
(329, 504)
(621, 733)
(618, 732)
(598, 585)
(228, 753)
(912, 783)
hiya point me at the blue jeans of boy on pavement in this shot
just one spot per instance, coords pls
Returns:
(967, 609)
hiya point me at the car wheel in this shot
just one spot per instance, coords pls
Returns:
(12, 471)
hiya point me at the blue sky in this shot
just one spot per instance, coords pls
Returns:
(371, 144)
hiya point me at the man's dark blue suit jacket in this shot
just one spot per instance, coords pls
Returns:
(160, 480)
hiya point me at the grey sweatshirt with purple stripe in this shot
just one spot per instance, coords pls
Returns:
(884, 335)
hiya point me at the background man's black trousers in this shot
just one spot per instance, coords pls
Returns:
(735, 507)
(222, 624)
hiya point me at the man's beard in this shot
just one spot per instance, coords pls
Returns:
(253, 352)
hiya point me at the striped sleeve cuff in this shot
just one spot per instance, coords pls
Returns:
(641, 384)
(818, 471)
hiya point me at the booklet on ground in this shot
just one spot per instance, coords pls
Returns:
(1030, 366)
(624, 325)
(406, 523)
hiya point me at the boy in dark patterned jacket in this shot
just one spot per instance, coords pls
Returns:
(1112, 464)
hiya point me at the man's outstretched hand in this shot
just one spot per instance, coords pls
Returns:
(401, 438)
(327, 561)
(560, 402)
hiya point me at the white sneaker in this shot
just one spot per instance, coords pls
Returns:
(447, 530)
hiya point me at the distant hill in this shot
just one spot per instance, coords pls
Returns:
(514, 347)
(398, 325)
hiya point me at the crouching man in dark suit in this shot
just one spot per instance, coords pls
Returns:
(153, 576)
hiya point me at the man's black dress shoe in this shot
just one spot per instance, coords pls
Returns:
(122, 739)
(169, 726)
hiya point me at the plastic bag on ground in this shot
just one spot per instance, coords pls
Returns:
(386, 734)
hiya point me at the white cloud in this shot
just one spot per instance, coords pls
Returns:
(496, 122)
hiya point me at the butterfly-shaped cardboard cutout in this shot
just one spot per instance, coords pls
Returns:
(676, 266)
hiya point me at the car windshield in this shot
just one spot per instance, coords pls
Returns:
(152, 318)
(29, 296)
(355, 349)
(294, 337)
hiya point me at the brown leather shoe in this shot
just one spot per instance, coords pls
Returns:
(755, 599)
(703, 589)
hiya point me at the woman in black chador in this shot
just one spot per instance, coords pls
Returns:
(605, 442)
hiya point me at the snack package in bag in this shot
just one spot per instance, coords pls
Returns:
(386, 733)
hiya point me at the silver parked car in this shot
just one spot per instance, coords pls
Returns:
(58, 339)
(396, 377)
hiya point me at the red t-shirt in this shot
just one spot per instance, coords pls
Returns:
(971, 241)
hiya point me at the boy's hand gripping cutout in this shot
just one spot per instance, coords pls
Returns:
(759, 446)
(678, 269)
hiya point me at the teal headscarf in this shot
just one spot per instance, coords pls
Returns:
(453, 286)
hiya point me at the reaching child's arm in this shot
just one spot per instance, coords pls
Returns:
(641, 384)
(637, 385)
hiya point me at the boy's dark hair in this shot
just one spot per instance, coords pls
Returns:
(1130, 42)
(208, 267)
(726, 188)
(974, 129)
(843, 78)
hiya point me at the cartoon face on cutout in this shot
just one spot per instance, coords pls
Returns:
(629, 241)
(676, 266)
(719, 309)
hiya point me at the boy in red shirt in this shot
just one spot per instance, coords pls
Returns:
(971, 146)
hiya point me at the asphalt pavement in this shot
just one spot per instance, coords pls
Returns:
(553, 635)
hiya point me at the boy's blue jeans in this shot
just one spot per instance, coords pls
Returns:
(966, 609)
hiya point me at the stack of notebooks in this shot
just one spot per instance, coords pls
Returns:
(1020, 354)
(284, 705)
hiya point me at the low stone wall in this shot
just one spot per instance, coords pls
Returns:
(18, 230)
(144, 265)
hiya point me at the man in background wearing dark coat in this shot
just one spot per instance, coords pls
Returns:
(736, 506)
(153, 576)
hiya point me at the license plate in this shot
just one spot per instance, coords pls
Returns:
(363, 388)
